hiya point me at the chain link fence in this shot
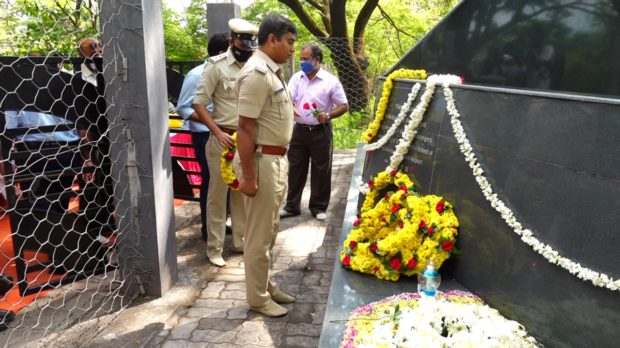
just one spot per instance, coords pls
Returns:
(70, 248)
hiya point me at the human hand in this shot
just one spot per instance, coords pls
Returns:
(248, 186)
(225, 139)
(323, 117)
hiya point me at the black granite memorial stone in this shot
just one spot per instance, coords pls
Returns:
(559, 45)
(553, 160)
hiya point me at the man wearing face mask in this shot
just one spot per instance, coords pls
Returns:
(89, 48)
(318, 98)
(217, 85)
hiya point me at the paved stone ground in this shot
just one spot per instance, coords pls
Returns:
(214, 312)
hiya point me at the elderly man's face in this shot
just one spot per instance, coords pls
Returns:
(91, 48)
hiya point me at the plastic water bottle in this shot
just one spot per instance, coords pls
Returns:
(428, 281)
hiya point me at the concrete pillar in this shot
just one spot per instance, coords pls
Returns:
(218, 15)
(135, 75)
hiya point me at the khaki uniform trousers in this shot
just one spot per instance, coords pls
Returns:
(263, 224)
(216, 205)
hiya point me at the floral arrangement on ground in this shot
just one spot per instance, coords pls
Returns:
(451, 319)
(400, 234)
(226, 167)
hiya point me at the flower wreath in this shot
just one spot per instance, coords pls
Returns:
(454, 319)
(401, 233)
(228, 174)
(374, 126)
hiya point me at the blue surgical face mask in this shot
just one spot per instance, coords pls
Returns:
(306, 66)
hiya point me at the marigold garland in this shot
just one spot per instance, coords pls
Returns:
(401, 233)
(228, 174)
(374, 126)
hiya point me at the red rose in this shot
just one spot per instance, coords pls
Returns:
(441, 206)
(306, 106)
(411, 264)
(402, 225)
(404, 188)
(395, 208)
(373, 248)
(314, 105)
(352, 245)
(394, 172)
(235, 184)
(422, 224)
(447, 246)
(356, 223)
(395, 263)
(430, 230)
(371, 184)
(387, 196)
(230, 155)
(347, 261)
(462, 79)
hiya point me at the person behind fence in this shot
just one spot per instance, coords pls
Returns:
(217, 84)
(318, 98)
(217, 45)
(89, 48)
(265, 125)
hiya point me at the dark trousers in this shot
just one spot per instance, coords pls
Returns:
(199, 141)
(310, 145)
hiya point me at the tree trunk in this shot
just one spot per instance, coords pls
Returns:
(351, 73)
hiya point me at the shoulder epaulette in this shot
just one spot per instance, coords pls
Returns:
(262, 68)
(217, 58)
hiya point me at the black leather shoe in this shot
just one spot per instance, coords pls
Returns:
(286, 214)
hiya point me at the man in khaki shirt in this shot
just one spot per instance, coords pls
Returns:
(218, 85)
(265, 127)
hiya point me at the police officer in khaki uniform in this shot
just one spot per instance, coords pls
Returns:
(218, 85)
(265, 127)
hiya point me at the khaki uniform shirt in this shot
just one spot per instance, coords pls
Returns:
(263, 96)
(217, 84)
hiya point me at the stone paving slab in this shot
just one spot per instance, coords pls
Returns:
(207, 308)
(304, 255)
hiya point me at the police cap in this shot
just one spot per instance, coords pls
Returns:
(244, 31)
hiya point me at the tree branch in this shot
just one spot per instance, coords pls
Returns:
(67, 14)
(304, 17)
(318, 6)
(392, 23)
(338, 18)
(363, 17)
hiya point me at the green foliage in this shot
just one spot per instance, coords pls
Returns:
(348, 129)
(47, 26)
(259, 8)
(180, 42)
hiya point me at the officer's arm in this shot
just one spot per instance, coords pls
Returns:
(204, 94)
(246, 145)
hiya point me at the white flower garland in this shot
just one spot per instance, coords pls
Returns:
(410, 130)
(409, 133)
(584, 273)
(399, 119)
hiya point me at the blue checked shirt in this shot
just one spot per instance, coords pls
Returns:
(185, 105)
